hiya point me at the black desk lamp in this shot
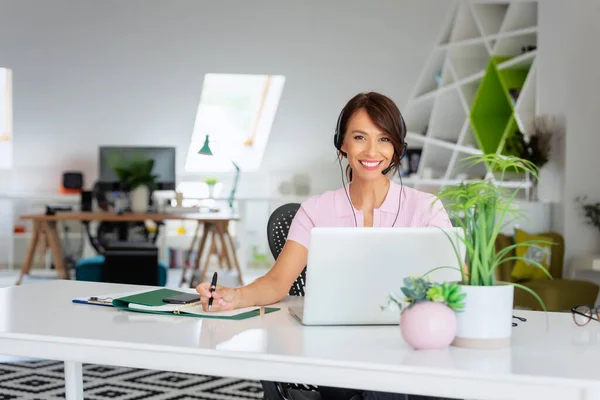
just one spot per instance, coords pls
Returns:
(205, 150)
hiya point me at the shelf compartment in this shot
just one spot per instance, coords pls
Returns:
(469, 60)
(490, 16)
(520, 15)
(448, 118)
(465, 26)
(434, 161)
(417, 116)
(430, 76)
(514, 46)
(491, 111)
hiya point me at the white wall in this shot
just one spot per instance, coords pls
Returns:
(583, 123)
(569, 85)
(90, 73)
(552, 88)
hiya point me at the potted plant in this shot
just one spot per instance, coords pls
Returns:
(211, 182)
(536, 147)
(135, 175)
(429, 320)
(480, 209)
(591, 211)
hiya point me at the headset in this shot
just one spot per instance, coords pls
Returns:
(338, 139)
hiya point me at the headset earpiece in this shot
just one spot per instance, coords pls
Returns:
(337, 138)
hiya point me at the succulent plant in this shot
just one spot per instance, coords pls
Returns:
(418, 289)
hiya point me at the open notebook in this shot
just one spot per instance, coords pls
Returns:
(151, 302)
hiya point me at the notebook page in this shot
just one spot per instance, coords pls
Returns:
(195, 309)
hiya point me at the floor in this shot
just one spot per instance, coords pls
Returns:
(45, 380)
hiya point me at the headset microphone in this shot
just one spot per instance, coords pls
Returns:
(388, 169)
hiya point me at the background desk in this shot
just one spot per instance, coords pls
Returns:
(40, 321)
(215, 223)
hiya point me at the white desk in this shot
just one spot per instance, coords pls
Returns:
(39, 320)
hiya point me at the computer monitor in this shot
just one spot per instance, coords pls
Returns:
(164, 165)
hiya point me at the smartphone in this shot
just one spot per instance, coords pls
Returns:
(184, 298)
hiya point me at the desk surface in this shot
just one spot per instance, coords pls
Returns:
(554, 361)
(130, 217)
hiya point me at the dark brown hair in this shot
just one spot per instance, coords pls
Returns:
(385, 115)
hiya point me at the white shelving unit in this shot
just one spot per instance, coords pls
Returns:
(438, 112)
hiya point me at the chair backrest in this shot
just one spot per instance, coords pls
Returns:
(277, 231)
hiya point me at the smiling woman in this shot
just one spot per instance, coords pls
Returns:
(370, 134)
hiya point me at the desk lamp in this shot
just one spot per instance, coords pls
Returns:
(205, 150)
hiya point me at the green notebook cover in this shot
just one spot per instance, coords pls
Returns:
(154, 299)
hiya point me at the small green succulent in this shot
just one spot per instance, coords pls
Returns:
(417, 289)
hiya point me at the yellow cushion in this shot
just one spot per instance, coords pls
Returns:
(540, 252)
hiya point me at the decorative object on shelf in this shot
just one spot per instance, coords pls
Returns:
(211, 182)
(514, 94)
(486, 90)
(526, 49)
(480, 209)
(591, 211)
(438, 76)
(413, 159)
(135, 175)
(178, 199)
(535, 148)
(206, 151)
(429, 320)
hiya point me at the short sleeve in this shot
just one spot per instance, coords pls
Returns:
(436, 215)
(302, 223)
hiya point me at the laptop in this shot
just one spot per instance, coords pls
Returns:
(351, 271)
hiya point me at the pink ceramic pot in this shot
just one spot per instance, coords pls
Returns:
(428, 325)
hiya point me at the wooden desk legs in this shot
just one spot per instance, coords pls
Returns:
(30, 255)
(227, 246)
(220, 237)
(46, 230)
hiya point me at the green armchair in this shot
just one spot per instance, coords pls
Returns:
(558, 294)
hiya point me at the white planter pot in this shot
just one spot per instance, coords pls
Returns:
(211, 191)
(486, 321)
(140, 197)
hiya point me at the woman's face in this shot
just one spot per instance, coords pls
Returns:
(369, 149)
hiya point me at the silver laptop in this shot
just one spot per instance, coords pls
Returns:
(351, 271)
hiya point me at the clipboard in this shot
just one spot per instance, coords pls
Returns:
(151, 302)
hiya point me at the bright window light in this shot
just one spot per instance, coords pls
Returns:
(236, 112)
(6, 128)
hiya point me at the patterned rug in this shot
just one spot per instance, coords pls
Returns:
(44, 380)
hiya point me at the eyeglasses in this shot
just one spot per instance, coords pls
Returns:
(582, 315)
(520, 319)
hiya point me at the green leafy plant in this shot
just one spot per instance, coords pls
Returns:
(211, 181)
(591, 211)
(134, 171)
(419, 289)
(480, 209)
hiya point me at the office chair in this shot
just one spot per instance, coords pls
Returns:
(112, 244)
(278, 227)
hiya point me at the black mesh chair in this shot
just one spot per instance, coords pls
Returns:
(277, 231)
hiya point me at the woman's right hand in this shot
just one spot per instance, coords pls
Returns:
(224, 298)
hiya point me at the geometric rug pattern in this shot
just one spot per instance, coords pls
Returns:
(45, 380)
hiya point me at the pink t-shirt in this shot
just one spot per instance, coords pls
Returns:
(332, 209)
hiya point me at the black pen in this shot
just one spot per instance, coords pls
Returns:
(213, 287)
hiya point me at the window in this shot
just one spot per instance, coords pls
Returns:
(236, 112)
(6, 153)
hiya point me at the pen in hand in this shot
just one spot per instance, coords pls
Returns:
(213, 287)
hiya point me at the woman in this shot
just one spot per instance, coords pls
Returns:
(371, 135)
